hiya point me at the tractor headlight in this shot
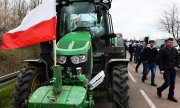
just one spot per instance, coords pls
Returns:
(78, 59)
(62, 59)
(75, 59)
(82, 58)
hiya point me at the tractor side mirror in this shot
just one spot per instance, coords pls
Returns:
(112, 35)
(95, 24)
(99, 14)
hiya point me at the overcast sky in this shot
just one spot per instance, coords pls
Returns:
(138, 18)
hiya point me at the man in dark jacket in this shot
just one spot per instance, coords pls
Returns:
(131, 50)
(137, 51)
(149, 55)
(140, 49)
(168, 64)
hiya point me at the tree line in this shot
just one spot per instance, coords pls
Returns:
(13, 11)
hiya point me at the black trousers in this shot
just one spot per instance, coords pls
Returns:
(169, 81)
(131, 56)
(138, 63)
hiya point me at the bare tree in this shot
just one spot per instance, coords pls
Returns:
(20, 8)
(34, 3)
(13, 11)
(170, 21)
(4, 4)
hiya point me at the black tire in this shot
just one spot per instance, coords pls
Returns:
(120, 87)
(27, 82)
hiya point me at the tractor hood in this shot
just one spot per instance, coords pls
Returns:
(70, 97)
(74, 43)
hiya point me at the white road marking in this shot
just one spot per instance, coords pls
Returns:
(133, 79)
(151, 104)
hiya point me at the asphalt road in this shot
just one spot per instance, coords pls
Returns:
(143, 95)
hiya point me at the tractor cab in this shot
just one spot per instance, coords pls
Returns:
(84, 29)
(90, 16)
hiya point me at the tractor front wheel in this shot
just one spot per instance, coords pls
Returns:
(27, 82)
(120, 87)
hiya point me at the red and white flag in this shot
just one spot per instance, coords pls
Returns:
(39, 25)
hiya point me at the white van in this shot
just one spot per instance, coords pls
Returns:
(160, 38)
(159, 42)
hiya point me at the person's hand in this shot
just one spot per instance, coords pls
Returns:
(161, 72)
(175, 67)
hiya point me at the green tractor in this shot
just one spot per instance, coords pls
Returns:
(89, 62)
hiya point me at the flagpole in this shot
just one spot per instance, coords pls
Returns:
(54, 47)
(57, 74)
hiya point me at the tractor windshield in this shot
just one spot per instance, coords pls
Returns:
(80, 16)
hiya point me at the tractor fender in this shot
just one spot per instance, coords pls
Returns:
(109, 65)
(117, 61)
(109, 68)
(39, 62)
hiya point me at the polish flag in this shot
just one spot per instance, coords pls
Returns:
(39, 25)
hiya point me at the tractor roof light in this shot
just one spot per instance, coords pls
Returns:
(67, 2)
(105, 1)
(119, 35)
(73, 0)
(63, 2)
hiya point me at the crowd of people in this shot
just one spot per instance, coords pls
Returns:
(165, 57)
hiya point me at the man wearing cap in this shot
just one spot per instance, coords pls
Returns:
(149, 55)
(168, 62)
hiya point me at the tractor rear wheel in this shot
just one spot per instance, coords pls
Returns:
(120, 87)
(27, 82)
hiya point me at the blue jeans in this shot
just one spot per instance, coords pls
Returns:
(147, 68)
(169, 80)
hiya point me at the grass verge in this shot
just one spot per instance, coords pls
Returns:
(10, 60)
(6, 96)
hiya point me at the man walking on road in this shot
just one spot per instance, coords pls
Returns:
(137, 51)
(140, 49)
(131, 50)
(168, 65)
(149, 55)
